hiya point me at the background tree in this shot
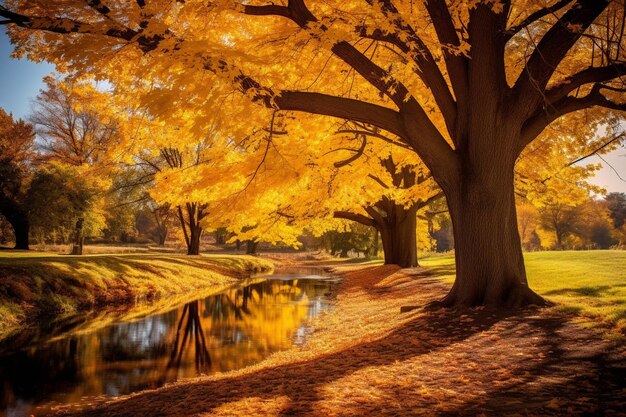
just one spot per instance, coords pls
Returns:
(616, 203)
(16, 142)
(73, 130)
(62, 198)
(404, 188)
(70, 128)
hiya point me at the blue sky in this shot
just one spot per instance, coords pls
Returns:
(20, 82)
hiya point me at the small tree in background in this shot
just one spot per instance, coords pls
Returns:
(61, 198)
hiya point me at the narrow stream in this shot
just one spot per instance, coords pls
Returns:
(230, 330)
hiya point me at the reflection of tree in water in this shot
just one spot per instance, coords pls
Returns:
(218, 333)
(222, 306)
(190, 332)
(193, 334)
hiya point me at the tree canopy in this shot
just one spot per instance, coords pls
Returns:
(468, 87)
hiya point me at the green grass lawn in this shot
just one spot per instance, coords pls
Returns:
(589, 283)
(33, 284)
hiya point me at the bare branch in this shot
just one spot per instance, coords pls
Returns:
(551, 50)
(598, 149)
(357, 154)
(533, 17)
(447, 35)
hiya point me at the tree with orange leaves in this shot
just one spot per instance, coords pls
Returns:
(466, 85)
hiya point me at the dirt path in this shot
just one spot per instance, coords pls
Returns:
(366, 358)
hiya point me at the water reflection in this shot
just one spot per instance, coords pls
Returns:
(219, 333)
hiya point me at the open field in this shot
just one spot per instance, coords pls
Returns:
(589, 283)
(37, 283)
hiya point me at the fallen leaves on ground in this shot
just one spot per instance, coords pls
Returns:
(366, 358)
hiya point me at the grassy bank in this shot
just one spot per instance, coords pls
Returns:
(589, 283)
(40, 284)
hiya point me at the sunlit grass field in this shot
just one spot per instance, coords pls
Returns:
(36, 283)
(590, 283)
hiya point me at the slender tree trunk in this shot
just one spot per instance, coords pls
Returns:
(220, 236)
(195, 233)
(489, 262)
(183, 225)
(161, 221)
(162, 235)
(77, 246)
(373, 250)
(191, 227)
(398, 235)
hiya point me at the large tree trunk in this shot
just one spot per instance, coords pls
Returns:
(79, 239)
(398, 235)
(488, 252)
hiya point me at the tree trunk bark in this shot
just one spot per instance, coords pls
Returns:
(489, 262)
(162, 235)
(399, 238)
(195, 233)
(77, 246)
(251, 247)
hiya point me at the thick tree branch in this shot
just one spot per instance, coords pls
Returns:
(375, 215)
(537, 123)
(62, 25)
(420, 132)
(359, 218)
(447, 35)
(341, 107)
(586, 76)
(428, 70)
